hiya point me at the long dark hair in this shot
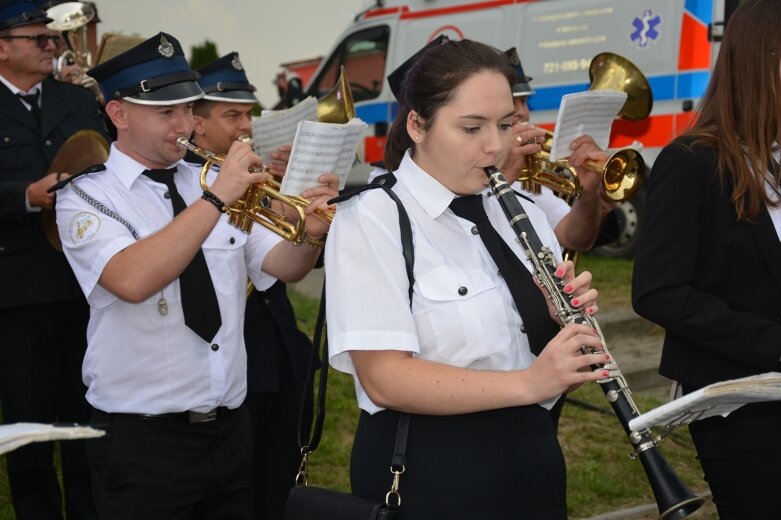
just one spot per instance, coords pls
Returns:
(431, 83)
(740, 114)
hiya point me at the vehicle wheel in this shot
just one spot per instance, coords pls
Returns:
(629, 214)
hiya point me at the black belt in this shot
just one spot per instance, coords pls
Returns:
(185, 417)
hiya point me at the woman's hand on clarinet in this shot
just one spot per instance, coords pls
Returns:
(563, 365)
(578, 288)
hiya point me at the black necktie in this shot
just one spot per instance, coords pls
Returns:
(528, 298)
(199, 301)
(32, 100)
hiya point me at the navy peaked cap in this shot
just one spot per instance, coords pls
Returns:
(154, 72)
(224, 79)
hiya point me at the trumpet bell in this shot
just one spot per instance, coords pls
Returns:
(609, 71)
(623, 174)
(337, 105)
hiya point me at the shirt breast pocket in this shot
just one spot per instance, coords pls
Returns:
(224, 252)
(463, 313)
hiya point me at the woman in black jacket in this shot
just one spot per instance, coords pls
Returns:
(708, 266)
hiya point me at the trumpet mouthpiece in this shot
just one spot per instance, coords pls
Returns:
(182, 141)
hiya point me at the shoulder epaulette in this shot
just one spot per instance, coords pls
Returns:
(95, 168)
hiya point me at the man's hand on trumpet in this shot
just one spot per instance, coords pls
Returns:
(527, 140)
(318, 197)
(240, 169)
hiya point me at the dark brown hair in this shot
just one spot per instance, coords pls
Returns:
(431, 83)
(740, 113)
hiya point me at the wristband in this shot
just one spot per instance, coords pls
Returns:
(312, 242)
(214, 199)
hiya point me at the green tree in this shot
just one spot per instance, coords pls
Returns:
(203, 54)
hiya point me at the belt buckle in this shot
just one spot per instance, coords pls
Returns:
(198, 417)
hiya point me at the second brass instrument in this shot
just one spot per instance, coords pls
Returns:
(624, 172)
(255, 205)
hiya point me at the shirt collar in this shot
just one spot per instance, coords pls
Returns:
(432, 195)
(16, 90)
(126, 168)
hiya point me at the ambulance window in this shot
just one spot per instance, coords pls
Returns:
(363, 56)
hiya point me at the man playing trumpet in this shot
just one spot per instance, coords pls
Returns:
(277, 352)
(165, 276)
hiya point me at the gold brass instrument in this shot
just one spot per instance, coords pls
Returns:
(255, 205)
(71, 19)
(337, 106)
(624, 172)
(83, 149)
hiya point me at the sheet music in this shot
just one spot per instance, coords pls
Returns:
(319, 148)
(585, 113)
(717, 399)
(277, 127)
(15, 435)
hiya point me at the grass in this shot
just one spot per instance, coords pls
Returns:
(601, 476)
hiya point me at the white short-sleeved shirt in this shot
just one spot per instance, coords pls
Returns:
(139, 360)
(462, 312)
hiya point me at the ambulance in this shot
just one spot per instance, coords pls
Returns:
(673, 42)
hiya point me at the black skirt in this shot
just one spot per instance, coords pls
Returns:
(500, 464)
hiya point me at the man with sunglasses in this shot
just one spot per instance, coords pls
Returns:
(43, 314)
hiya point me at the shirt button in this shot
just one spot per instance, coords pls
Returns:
(232, 240)
(499, 274)
(474, 230)
(47, 142)
(523, 328)
(167, 195)
(462, 291)
(6, 139)
(215, 347)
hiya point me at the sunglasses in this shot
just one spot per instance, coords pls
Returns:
(41, 40)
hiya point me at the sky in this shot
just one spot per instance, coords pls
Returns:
(264, 32)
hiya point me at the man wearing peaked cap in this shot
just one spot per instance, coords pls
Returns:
(165, 275)
(43, 314)
(277, 352)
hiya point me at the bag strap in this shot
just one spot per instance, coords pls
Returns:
(392, 498)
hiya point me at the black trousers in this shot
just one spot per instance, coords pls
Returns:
(161, 469)
(741, 457)
(500, 464)
(40, 381)
(275, 418)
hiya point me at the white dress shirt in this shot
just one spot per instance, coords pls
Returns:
(140, 359)
(462, 312)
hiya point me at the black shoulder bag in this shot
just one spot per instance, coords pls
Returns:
(307, 502)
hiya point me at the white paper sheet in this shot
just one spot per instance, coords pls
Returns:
(277, 127)
(15, 435)
(717, 399)
(320, 148)
(585, 113)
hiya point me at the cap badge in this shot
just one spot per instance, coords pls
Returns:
(236, 63)
(166, 49)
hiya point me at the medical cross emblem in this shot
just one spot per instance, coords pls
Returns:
(646, 29)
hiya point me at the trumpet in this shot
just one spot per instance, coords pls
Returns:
(624, 172)
(255, 205)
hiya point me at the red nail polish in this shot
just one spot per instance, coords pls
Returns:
(605, 373)
(559, 272)
(575, 302)
(567, 288)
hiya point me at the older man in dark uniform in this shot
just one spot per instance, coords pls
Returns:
(43, 315)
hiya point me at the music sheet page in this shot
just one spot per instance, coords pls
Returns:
(15, 435)
(717, 399)
(320, 148)
(277, 127)
(585, 113)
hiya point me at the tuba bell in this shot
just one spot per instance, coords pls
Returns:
(624, 172)
(337, 105)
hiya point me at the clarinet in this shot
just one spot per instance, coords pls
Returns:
(673, 498)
